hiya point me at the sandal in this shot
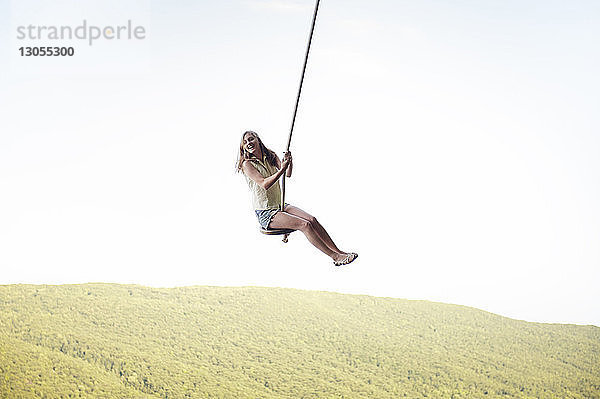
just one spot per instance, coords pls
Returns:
(348, 259)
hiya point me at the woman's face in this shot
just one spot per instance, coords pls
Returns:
(251, 144)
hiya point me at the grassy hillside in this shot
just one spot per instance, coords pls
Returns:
(117, 341)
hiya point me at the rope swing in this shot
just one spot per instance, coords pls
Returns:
(286, 232)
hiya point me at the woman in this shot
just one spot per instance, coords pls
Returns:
(262, 169)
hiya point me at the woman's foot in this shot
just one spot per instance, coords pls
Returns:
(344, 259)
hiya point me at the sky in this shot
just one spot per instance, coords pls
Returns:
(455, 145)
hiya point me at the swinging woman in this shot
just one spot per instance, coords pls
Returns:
(262, 169)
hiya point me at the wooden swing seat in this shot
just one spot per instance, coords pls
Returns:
(277, 232)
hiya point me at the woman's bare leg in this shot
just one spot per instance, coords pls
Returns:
(284, 220)
(294, 210)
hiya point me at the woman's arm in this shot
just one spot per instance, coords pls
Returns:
(288, 156)
(264, 182)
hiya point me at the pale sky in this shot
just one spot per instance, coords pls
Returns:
(454, 145)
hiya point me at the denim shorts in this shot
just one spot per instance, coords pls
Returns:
(266, 215)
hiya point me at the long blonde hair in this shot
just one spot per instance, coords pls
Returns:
(245, 156)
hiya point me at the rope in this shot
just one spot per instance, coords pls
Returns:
(287, 148)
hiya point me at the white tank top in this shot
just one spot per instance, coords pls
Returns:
(261, 198)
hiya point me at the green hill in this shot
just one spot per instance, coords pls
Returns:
(118, 341)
